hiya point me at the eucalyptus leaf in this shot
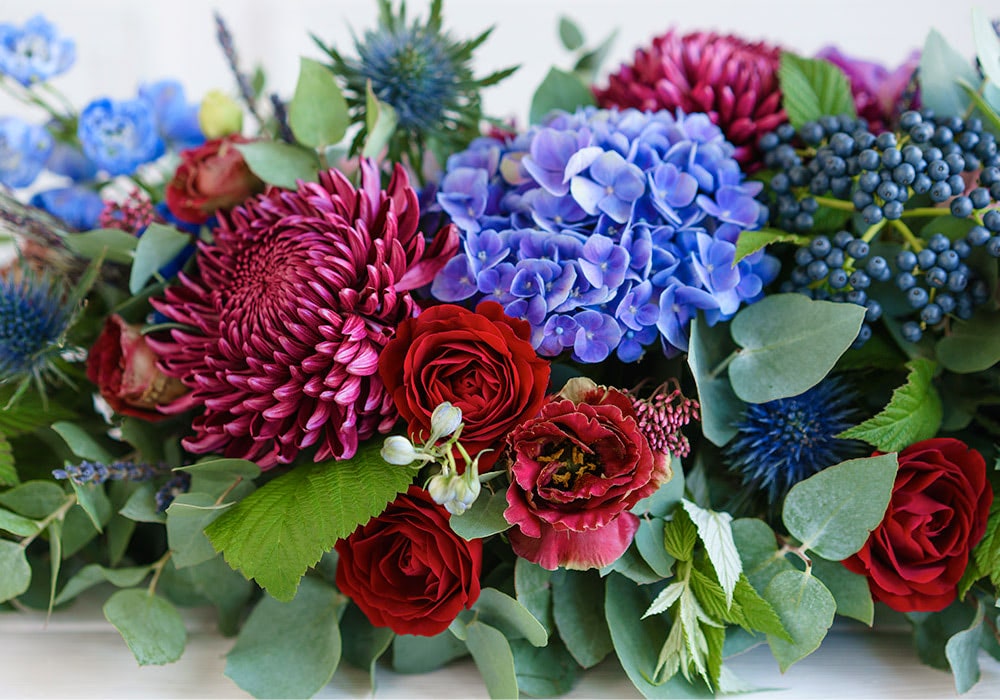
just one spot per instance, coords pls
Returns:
(412, 654)
(15, 574)
(82, 443)
(758, 548)
(94, 501)
(720, 406)
(570, 34)
(151, 627)
(789, 344)
(962, 652)
(141, 506)
(380, 121)
(534, 591)
(546, 672)
(559, 90)
(806, 609)
(484, 518)
(318, 112)
(304, 661)
(850, 590)
(158, 247)
(111, 244)
(940, 67)
(18, 524)
(663, 500)
(632, 565)
(971, 346)
(280, 164)
(499, 610)
(649, 542)
(187, 517)
(229, 468)
(579, 615)
(94, 574)
(34, 499)
(491, 652)
(363, 643)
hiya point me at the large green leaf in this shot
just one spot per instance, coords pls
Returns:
(720, 406)
(579, 615)
(971, 346)
(833, 512)
(533, 585)
(318, 112)
(274, 535)
(94, 574)
(715, 531)
(850, 590)
(494, 659)
(940, 67)
(962, 652)
(758, 548)
(18, 524)
(806, 609)
(789, 343)
(987, 45)
(913, 413)
(484, 518)
(113, 244)
(546, 672)
(289, 649)
(151, 627)
(559, 90)
(499, 610)
(187, 517)
(29, 413)
(15, 574)
(363, 642)
(413, 654)
(158, 247)
(812, 88)
(280, 164)
(750, 242)
(649, 542)
(380, 121)
(34, 499)
(82, 443)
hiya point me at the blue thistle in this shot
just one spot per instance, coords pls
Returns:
(97, 472)
(784, 441)
(423, 74)
(34, 317)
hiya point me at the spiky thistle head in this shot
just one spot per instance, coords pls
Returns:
(782, 442)
(424, 74)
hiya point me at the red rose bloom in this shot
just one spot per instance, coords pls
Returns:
(210, 177)
(937, 514)
(578, 468)
(407, 570)
(481, 362)
(123, 367)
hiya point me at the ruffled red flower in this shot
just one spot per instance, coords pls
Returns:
(287, 314)
(734, 81)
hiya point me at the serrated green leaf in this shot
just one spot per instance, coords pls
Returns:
(412, 654)
(850, 590)
(158, 246)
(274, 535)
(570, 34)
(380, 121)
(649, 542)
(484, 518)
(986, 553)
(34, 499)
(318, 113)
(151, 627)
(94, 574)
(940, 67)
(715, 638)
(834, 511)
(789, 344)
(913, 413)
(962, 652)
(720, 406)
(113, 244)
(280, 164)
(187, 517)
(579, 615)
(750, 242)
(665, 599)
(716, 533)
(494, 659)
(758, 612)
(971, 346)
(8, 473)
(534, 591)
(559, 90)
(680, 535)
(546, 672)
(17, 524)
(806, 609)
(15, 574)
(82, 444)
(363, 643)
(309, 650)
(499, 610)
(812, 88)
(712, 598)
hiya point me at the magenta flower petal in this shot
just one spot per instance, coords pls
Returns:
(586, 549)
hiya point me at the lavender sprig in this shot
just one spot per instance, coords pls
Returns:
(87, 472)
(281, 116)
(225, 39)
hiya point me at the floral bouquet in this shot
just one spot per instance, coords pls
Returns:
(702, 357)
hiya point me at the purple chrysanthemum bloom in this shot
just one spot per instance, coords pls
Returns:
(35, 52)
(611, 228)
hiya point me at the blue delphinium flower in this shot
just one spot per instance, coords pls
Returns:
(782, 442)
(97, 472)
(24, 148)
(79, 207)
(34, 317)
(120, 135)
(35, 52)
(176, 118)
(68, 160)
(618, 226)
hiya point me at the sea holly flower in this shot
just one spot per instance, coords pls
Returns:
(120, 135)
(35, 52)
(288, 313)
(24, 150)
(36, 316)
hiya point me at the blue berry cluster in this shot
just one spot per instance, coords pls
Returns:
(919, 171)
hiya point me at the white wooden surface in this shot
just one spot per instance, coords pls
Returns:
(79, 655)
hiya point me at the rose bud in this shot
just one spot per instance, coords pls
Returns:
(123, 367)
(211, 177)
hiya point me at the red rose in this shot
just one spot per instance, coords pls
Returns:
(937, 514)
(578, 468)
(210, 177)
(407, 570)
(123, 367)
(481, 362)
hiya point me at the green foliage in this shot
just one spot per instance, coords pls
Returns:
(579, 615)
(806, 609)
(289, 649)
(484, 518)
(187, 517)
(833, 511)
(789, 344)
(962, 652)
(141, 506)
(317, 113)
(940, 67)
(649, 542)
(412, 654)
(716, 534)
(209, 583)
(986, 554)
(284, 527)
(17, 524)
(546, 672)
(499, 610)
(812, 88)
(34, 499)
(111, 244)
(363, 643)
(850, 590)
(28, 413)
(913, 413)
(758, 549)
(971, 346)
(380, 121)
(720, 406)
(570, 34)
(280, 164)
(680, 536)
(94, 574)
(15, 574)
(151, 627)
(750, 242)
(81, 442)
(494, 659)
(94, 501)
(8, 472)
(559, 90)
(158, 247)
(987, 45)
(534, 591)
(663, 500)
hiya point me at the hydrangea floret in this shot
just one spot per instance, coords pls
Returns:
(606, 230)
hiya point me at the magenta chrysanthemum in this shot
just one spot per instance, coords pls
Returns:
(734, 81)
(288, 311)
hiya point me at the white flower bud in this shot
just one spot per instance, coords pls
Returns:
(442, 489)
(399, 450)
(445, 420)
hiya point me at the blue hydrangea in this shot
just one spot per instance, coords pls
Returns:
(79, 207)
(120, 135)
(34, 317)
(607, 231)
(24, 149)
(35, 52)
(782, 442)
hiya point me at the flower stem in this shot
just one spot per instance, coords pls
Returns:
(157, 569)
(58, 514)
(833, 203)
(908, 235)
(873, 230)
(927, 211)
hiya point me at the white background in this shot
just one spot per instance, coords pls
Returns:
(123, 42)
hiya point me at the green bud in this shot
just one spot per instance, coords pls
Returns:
(219, 115)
